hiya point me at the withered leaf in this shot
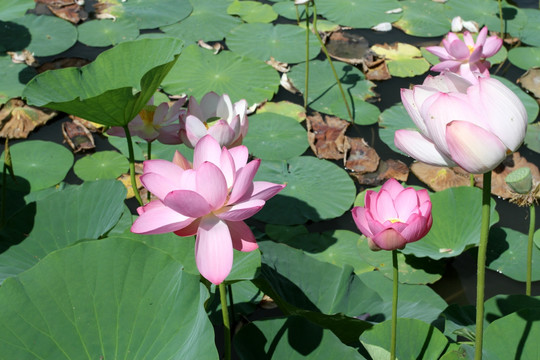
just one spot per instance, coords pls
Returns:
(77, 136)
(69, 10)
(439, 178)
(91, 126)
(387, 169)
(361, 158)
(126, 180)
(17, 119)
(63, 63)
(326, 136)
(347, 46)
(530, 81)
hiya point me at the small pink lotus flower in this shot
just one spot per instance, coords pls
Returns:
(394, 217)
(153, 123)
(472, 125)
(215, 116)
(466, 57)
(210, 199)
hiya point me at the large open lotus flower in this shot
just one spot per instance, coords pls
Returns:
(215, 116)
(153, 122)
(394, 217)
(210, 198)
(472, 125)
(466, 57)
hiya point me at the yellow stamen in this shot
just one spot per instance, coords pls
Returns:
(471, 49)
(394, 220)
(147, 114)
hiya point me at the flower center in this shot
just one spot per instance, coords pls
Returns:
(394, 220)
(211, 121)
(471, 49)
(147, 114)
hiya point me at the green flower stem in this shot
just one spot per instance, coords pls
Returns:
(3, 205)
(501, 17)
(481, 271)
(471, 180)
(132, 166)
(226, 324)
(532, 215)
(330, 61)
(394, 305)
(307, 56)
(149, 157)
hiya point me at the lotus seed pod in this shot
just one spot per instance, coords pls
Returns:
(520, 180)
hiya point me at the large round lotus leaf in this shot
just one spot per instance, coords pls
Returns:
(525, 57)
(423, 18)
(514, 336)
(208, 21)
(324, 94)
(78, 212)
(39, 163)
(531, 106)
(514, 19)
(392, 119)
(316, 190)
(121, 144)
(285, 43)
(292, 338)
(288, 10)
(506, 252)
(402, 59)
(199, 72)
(101, 165)
(457, 216)
(107, 32)
(499, 306)
(481, 11)
(111, 299)
(113, 88)
(529, 32)
(415, 340)
(532, 137)
(148, 14)
(13, 78)
(12, 9)
(362, 14)
(275, 137)
(50, 35)
(252, 11)
(285, 108)
(459, 319)
(415, 301)
(15, 37)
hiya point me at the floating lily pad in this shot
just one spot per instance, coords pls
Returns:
(305, 176)
(147, 14)
(74, 302)
(324, 94)
(514, 19)
(403, 60)
(362, 14)
(525, 57)
(499, 306)
(208, 21)
(285, 108)
(12, 9)
(107, 32)
(268, 130)
(252, 11)
(30, 158)
(101, 165)
(13, 78)
(121, 144)
(226, 73)
(531, 105)
(423, 18)
(128, 74)
(460, 320)
(285, 43)
(50, 35)
(480, 11)
(392, 119)
(532, 137)
(457, 215)
(287, 9)
(529, 32)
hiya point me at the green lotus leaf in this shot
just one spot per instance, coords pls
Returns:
(246, 296)
(128, 74)
(110, 298)
(49, 35)
(39, 164)
(305, 176)
(120, 143)
(529, 32)
(287, 9)
(266, 130)
(208, 21)
(252, 11)
(403, 60)
(415, 340)
(285, 108)
(107, 32)
(13, 78)
(499, 306)
(423, 18)
(79, 212)
(532, 137)
(362, 14)
(460, 320)
(198, 72)
(290, 338)
(514, 18)
(15, 37)
(285, 43)
(101, 165)
(457, 215)
(481, 11)
(525, 57)
(12, 9)
(392, 119)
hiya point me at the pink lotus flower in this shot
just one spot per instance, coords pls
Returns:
(215, 116)
(394, 217)
(153, 123)
(466, 57)
(210, 199)
(472, 125)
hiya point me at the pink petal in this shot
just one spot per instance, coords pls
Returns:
(375, 226)
(160, 113)
(411, 100)
(169, 134)
(180, 160)
(213, 250)
(406, 203)
(207, 149)
(189, 230)
(211, 185)
(242, 236)
(385, 206)
(450, 65)
(194, 108)
(156, 218)
(265, 190)
(226, 164)
(243, 184)
(469, 41)
(224, 108)
(423, 197)
(359, 217)
(188, 203)
(440, 52)
(492, 46)
(240, 155)
(474, 149)
(116, 131)
(241, 211)
(209, 104)
(393, 187)
(222, 132)
(476, 54)
(481, 38)
(389, 239)
(194, 129)
(419, 147)
(416, 228)
(458, 50)
(160, 185)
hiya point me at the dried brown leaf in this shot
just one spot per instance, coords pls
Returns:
(388, 169)
(17, 119)
(326, 136)
(63, 63)
(77, 136)
(530, 81)
(361, 158)
(439, 178)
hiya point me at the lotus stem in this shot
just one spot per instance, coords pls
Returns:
(481, 263)
(3, 206)
(149, 157)
(226, 323)
(471, 180)
(532, 214)
(330, 61)
(501, 17)
(394, 305)
(132, 166)
(307, 57)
